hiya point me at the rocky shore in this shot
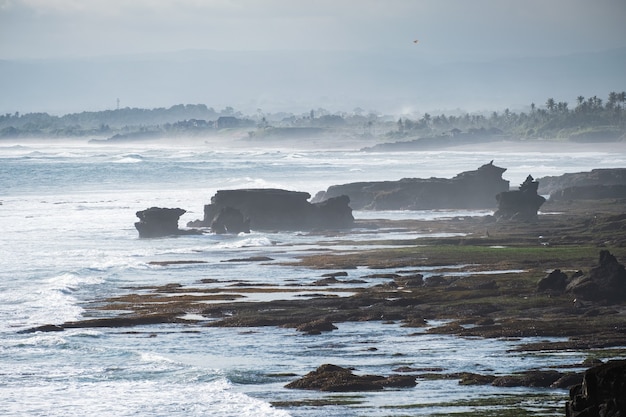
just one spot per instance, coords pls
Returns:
(519, 280)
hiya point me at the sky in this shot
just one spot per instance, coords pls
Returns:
(446, 29)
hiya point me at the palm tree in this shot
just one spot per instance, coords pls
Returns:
(550, 104)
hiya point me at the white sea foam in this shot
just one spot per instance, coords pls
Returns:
(68, 240)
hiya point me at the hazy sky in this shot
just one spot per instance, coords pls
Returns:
(449, 29)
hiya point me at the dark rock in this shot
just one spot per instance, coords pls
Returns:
(317, 327)
(469, 378)
(595, 177)
(541, 379)
(522, 204)
(335, 274)
(589, 192)
(435, 281)
(160, 222)
(602, 392)
(604, 282)
(471, 189)
(45, 328)
(230, 220)
(326, 281)
(274, 209)
(568, 380)
(555, 282)
(337, 379)
(411, 281)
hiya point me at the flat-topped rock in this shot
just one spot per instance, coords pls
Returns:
(160, 222)
(475, 189)
(276, 209)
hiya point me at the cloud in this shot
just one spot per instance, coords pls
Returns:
(446, 27)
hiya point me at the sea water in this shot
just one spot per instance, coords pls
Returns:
(68, 241)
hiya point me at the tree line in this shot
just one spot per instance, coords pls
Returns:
(590, 118)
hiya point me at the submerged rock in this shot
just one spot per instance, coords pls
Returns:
(337, 379)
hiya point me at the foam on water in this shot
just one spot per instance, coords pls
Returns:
(67, 219)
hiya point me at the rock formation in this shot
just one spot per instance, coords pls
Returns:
(230, 220)
(522, 204)
(160, 222)
(605, 282)
(337, 379)
(275, 209)
(595, 177)
(589, 192)
(602, 392)
(468, 190)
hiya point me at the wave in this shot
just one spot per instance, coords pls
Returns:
(248, 242)
(135, 397)
(128, 159)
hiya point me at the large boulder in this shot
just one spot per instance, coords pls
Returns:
(602, 392)
(605, 282)
(275, 209)
(522, 204)
(160, 222)
(337, 379)
(468, 190)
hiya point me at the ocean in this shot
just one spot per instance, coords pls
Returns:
(68, 241)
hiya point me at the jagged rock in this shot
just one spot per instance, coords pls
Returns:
(602, 392)
(604, 282)
(471, 189)
(522, 204)
(160, 222)
(230, 220)
(274, 209)
(337, 379)
(555, 281)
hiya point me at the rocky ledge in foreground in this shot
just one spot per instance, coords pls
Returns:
(602, 392)
(468, 190)
(337, 379)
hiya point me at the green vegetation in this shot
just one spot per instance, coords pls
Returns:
(592, 119)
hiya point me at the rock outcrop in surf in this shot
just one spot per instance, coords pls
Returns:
(475, 189)
(161, 222)
(276, 209)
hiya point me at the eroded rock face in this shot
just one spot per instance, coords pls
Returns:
(589, 192)
(160, 222)
(602, 392)
(605, 282)
(230, 220)
(337, 379)
(593, 178)
(522, 204)
(275, 209)
(468, 190)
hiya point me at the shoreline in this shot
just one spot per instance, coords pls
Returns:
(482, 283)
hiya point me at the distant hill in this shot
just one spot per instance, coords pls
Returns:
(302, 80)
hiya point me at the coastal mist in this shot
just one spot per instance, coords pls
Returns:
(70, 252)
